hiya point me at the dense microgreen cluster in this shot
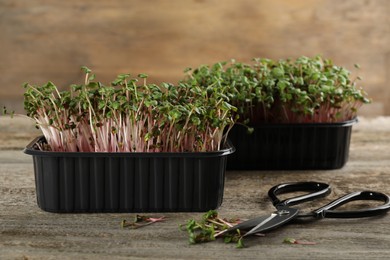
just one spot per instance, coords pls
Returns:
(130, 115)
(284, 91)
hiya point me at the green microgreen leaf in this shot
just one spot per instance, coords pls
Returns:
(85, 69)
(143, 75)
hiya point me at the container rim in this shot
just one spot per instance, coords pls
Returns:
(336, 124)
(31, 149)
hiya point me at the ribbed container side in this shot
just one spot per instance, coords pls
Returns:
(291, 147)
(81, 184)
(129, 182)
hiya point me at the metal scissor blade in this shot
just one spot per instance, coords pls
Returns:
(274, 220)
(248, 224)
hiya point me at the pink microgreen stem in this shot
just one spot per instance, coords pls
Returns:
(141, 221)
(289, 240)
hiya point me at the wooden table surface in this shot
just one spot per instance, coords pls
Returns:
(27, 232)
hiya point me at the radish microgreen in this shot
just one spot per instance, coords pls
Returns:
(129, 117)
(305, 90)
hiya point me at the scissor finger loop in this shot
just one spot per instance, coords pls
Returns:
(317, 190)
(328, 212)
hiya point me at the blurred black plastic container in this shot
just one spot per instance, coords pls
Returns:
(128, 182)
(291, 146)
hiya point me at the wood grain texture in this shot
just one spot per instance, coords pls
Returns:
(43, 40)
(26, 232)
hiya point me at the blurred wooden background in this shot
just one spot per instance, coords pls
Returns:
(42, 40)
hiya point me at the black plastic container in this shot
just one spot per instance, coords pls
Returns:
(128, 182)
(291, 146)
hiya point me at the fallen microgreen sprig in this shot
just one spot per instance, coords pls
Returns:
(210, 227)
(289, 240)
(141, 221)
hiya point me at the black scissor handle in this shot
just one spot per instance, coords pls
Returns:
(318, 189)
(328, 212)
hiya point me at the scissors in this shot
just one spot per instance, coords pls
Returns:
(285, 213)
